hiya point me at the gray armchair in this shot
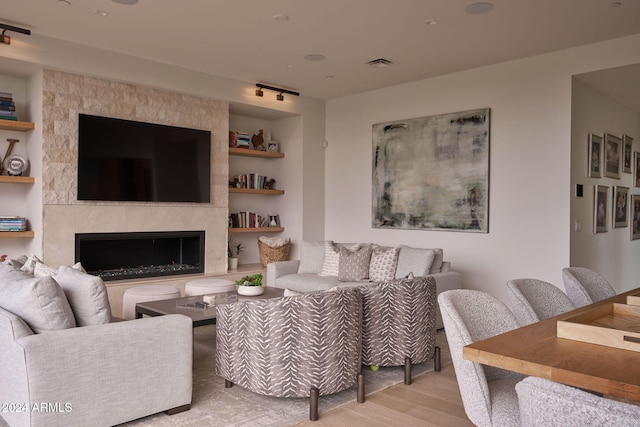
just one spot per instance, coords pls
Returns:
(399, 324)
(533, 300)
(585, 286)
(301, 346)
(545, 403)
(488, 394)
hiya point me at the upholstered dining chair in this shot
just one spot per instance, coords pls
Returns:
(533, 300)
(488, 394)
(299, 346)
(545, 403)
(399, 324)
(585, 286)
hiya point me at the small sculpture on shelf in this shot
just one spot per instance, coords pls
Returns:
(258, 141)
(270, 185)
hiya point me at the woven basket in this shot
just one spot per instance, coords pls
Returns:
(269, 254)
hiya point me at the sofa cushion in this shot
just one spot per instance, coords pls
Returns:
(29, 264)
(414, 260)
(331, 263)
(436, 267)
(39, 301)
(43, 270)
(87, 296)
(353, 265)
(384, 262)
(311, 257)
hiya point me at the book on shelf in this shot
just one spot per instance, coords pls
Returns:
(6, 95)
(245, 220)
(7, 113)
(4, 107)
(7, 103)
(13, 223)
(252, 181)
(8, 118)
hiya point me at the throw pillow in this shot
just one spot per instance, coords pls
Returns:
(87, 296)
(414, 260)
(384, 262)
(436, 267)
(39, 301)
(353, 265)
(331, 257)
(311, 257)
(43, 270)
(30, 264)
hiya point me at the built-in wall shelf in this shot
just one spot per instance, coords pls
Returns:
(246, 152)
(16, 234)
(17, 179)
(16, 126)
(255, 191)
(256, 230)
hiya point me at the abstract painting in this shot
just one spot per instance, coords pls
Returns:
(432, 173)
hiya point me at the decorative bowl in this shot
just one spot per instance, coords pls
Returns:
(250, 291)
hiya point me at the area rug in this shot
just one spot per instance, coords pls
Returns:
(213, 405)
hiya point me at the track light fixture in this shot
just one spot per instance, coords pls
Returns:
(6, 39)
(280, 96)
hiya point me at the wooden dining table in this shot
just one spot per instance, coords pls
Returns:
(536, 350)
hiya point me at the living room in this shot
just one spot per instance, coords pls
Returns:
(541, 115)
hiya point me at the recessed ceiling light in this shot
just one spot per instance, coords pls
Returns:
(615, 4)
(430, 22)
(125, 2)
(102, 13)
(329, 77)
(64, 3)
(315, 57)
(479, 7)
(280, 17)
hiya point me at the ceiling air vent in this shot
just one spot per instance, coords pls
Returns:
(378, 63)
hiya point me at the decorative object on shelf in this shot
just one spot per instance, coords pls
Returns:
(250, 285)
(272, 146)
(233, 139)
(243, 140)
(15, 165)
(233, 250)
(274, 220)
(453, 193)
(270, 185)
(12, 142)
(258, 141)
(273, 249)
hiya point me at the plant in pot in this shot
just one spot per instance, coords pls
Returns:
(233, 250)
(250, 285)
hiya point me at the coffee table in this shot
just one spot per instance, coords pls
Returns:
(201, 314)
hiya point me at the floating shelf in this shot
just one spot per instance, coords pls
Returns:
(257, 230)
(16, 125)
(17, 179)
(16, 234)
(246, 152)
(255, 191)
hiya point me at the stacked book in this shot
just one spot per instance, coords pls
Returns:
(252, 180)
(13, 223)
(7, 106)
(245, 220)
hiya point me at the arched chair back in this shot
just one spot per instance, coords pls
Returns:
(585, 286)
(533, 300)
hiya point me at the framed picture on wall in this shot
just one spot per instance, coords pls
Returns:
(620, 203)
(627, 144)
(635, 217)
(600, 199)
(636, 178)
(595, 156)
(612, 154)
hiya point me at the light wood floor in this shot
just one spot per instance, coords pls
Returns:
(432, 400)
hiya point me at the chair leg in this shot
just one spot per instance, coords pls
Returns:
(437, 365)
(228, 384)
(360, 388)
(407, 370)
(313, 404)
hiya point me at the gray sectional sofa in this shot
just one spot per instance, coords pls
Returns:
(325, 264)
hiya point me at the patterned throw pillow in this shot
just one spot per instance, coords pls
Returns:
(332, 255)
(383, 263)
(354, 264)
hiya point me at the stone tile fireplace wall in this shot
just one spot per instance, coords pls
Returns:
(65, 95)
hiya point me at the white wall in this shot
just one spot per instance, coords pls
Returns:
(529, 211)
(613, 254)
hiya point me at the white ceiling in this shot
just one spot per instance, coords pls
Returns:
(240, 39)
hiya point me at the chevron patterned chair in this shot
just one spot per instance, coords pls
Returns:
(399, 324)
(300, 346)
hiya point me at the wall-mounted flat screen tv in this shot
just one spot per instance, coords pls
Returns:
(124, 160)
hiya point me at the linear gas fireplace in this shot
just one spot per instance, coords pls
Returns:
(119, 256)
